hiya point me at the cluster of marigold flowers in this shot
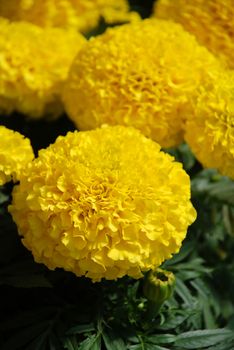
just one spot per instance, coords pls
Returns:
(106, 202)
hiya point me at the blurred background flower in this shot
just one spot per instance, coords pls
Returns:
(15, 153)
(210, 134)
(211, 21)
(147, 75)
(33, 67)
(83, 15)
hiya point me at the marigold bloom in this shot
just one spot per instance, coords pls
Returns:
(211, 21)
(103, 203)
(83, 15)
(144, 75)
(33, 67)
(210, 134)
(15, 153)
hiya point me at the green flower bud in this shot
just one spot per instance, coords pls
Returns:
(158, 287)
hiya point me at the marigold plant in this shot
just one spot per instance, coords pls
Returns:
(211, 21)
(33, 67)
(15, 153)
(103, 203)
(144, 75)
(210, 133)
(83, 15)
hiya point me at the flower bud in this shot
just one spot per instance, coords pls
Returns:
(158, 287)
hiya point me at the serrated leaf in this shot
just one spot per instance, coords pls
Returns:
(184, 293)
(113, 342)
(146, 346)
(228, 219)
(222, 189)
(203, 338)
(154, 347)
(161, 339)
(68, 344)
(173, 322)
(83, 328)
(189, 275)
(135, 347)
(225, 346)
(91, 343)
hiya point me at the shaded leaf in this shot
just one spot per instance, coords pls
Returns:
(113, 342)
(83, 328)
(91, 343)
(203, 338)
(161, 339)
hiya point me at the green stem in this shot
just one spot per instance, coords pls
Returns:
(152, 309)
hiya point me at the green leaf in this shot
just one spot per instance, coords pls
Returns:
(173, 321)
(146, 347)
(91, 343)
(184, 293)
(83, 328)
(69, 345)
(208, 303)
(228, 219)
(203, 338)
(113, 342)
(154, 347)
(3, 197)
(214, 185)
(135, 347)
(161, 339)
(188, 275)
(184, 155)
(225, 346)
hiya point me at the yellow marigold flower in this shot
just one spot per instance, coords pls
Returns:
(33, 67)
(211, 21)
(210, 133)
(83, 15)
(103, 204)
(15, 153)
(144, 75)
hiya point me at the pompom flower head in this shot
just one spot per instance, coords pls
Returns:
(210, 133)
(83, 15)
(33, 67)
(211, 21)
(15, 153)
(103, 204)
(144, 75)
